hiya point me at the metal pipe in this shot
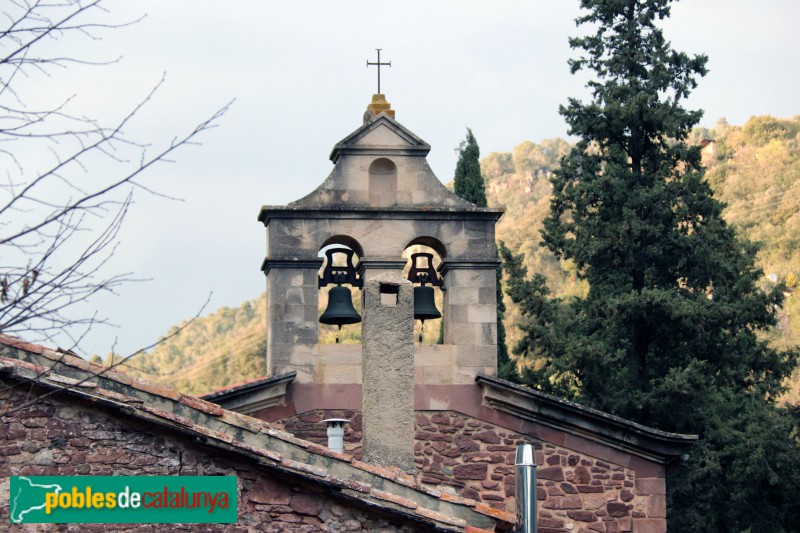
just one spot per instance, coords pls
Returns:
(525, 471)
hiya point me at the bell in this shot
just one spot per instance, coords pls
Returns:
(340, 309)
(424, 306)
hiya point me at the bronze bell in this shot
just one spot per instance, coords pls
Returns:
(424, 306)
(340, 309)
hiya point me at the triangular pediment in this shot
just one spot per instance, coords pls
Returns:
(381, 132)
(401, 179)
(383, 135)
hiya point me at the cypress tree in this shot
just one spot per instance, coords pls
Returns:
(669, 332)
(469, 185)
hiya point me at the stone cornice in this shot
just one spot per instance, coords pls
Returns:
(270, 262)
(467, 264)
(269, 212)
(652, 444)
(389, 264)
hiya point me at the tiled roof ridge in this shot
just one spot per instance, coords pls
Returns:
(137, 407)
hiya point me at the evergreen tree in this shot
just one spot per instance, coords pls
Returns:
(468, 183)
(469, 186)
(668, 334)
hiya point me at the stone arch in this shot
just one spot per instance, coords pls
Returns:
(382, 183)
(344, 240)
(437, 251)
(430, 242)
(331, 334)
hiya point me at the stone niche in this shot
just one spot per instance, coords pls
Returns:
(380, 198)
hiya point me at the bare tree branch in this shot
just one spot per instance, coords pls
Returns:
(61, 208)
(6, 408)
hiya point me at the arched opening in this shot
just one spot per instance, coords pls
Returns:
(430, 242)
(341, 255)
(431, 331)
(345, 241)
(382, 183)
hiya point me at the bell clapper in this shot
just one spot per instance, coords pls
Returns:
(338, 333)
(421, 330)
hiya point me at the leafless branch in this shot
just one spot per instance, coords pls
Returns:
(6, 408)
(61, 208)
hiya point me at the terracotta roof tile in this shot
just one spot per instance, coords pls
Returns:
(288, 437)
(243, 421)
(378, 470)
(140, 407)
(124, 398)
(327, 452)
(441, 517)
(12, 363)
(123, 378)
(156, 389)
(218, 435)
(202, 405)
(495, 513)
(471, 529)
(351, 484)
(457, 499)
(19, 343)
(394, 498)
(303, 467)
(182, 420)
(262, 452)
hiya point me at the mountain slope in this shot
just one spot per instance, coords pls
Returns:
(213, 351)
(754, 169)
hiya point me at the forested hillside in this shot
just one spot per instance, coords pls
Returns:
(214, 351)
(754, 169)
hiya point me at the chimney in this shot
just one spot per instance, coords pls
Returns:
(388, 372)
(525, 471)
(336, 433)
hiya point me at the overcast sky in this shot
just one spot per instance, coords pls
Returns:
(297, 72)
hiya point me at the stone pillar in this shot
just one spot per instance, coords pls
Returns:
(470, 313)
(388, 372)
(292, 312)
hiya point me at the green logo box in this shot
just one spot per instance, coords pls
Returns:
(123, 499)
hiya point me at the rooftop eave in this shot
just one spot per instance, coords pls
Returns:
(254, 395)
(652, 444)
(233, 434)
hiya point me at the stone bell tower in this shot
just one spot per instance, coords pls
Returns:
(380, 198)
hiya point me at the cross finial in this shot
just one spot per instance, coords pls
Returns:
(379, 64)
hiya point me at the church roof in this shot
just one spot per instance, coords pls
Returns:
(388, 489)
(613, 431)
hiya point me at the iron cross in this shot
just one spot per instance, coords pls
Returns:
(379, 64)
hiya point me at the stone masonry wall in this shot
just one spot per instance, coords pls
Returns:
(63, 436)
(309, 426)
(576, 493)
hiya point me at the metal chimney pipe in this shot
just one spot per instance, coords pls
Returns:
(336, 433)
(525, 471)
